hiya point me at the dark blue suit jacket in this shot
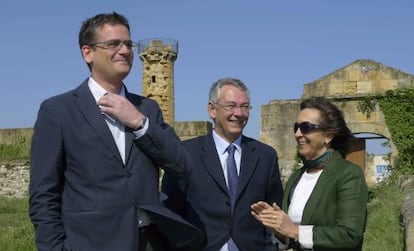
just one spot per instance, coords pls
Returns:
(202, 198)
(82, 195)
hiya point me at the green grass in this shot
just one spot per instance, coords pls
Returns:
(19, 148)
(384, 229)
(383, 232)
(16, 230)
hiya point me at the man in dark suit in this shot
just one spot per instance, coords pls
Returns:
(215, 199)
(95, 156)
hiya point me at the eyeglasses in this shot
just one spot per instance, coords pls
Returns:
(232, 107)
(115, 44)
(306, 127)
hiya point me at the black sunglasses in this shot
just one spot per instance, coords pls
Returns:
(306, 127)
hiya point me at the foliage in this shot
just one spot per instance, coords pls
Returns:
(384, 217)
(397, 106)
(18, 149)
(367, 106)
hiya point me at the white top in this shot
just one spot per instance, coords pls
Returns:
(300, 197)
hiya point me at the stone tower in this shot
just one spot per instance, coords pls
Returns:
(158, 56)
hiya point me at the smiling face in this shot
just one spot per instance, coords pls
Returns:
(230, 124)
(109, 66)
(316, 142)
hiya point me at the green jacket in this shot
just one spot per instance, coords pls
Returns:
(337, 206)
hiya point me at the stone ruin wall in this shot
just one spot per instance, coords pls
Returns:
(14, 175)
(360, 78)
(14, 178)
(276, 131)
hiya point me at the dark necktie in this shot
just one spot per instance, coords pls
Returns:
(232, 180)
(232, 177)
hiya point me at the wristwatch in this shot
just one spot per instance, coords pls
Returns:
(142, 124)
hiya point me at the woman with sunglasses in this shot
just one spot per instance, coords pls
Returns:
(325, 202)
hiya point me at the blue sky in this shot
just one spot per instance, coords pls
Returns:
(273, 46)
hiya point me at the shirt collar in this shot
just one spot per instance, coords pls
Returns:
(98, 91)
(222, 144)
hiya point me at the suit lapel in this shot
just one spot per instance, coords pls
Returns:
(290, 187)
(86, 104)
(211, 161)
(248, 165)
(129, 141)
(129, 134)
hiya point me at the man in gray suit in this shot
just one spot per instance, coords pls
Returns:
(95, 157)
(229, 173)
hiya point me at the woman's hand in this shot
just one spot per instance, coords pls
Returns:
(274, 218)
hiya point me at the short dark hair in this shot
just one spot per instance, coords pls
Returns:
(88, 31)
(332, 120)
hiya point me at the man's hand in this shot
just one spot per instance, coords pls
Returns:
(118, 107)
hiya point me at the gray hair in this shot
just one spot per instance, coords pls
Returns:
(215, 90)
